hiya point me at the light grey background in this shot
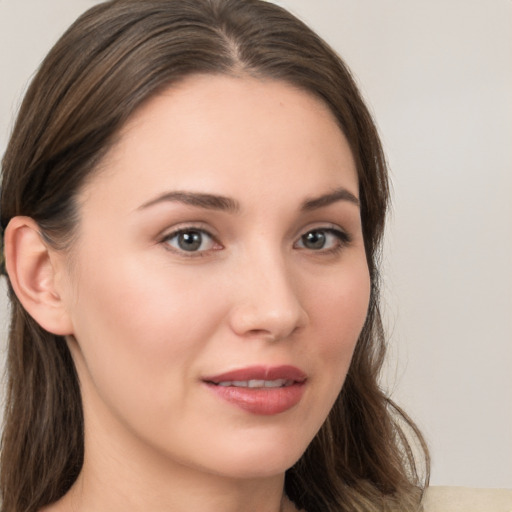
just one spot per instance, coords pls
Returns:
(438, 77)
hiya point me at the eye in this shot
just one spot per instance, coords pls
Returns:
(323, 239)
(190, 240)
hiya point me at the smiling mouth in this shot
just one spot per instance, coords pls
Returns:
(259, 376)
(260, 390)
(255, 383)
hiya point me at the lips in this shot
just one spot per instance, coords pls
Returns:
(260, 390)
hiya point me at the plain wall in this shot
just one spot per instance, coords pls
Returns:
(438, 76)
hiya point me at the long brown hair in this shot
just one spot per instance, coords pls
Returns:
(112, 59)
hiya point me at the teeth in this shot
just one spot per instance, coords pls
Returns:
(256, 383)
(279, 383)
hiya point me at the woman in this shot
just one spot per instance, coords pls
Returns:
(193, 200)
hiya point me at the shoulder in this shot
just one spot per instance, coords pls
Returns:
(465, 499)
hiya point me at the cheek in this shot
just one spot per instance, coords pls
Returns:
(340, 308)
(337, 315)
(135, 327)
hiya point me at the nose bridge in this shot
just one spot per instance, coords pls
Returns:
(267, 300)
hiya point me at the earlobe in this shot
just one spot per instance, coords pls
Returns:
(32, 274)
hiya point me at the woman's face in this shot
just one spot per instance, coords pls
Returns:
(219, 281)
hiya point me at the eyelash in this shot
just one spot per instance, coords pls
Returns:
(343, 239)
(188, 230)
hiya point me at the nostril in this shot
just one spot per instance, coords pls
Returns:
(262, 334)
(267, 324)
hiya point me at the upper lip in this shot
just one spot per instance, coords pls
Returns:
(286, 372)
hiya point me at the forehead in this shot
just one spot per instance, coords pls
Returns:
(218, 132)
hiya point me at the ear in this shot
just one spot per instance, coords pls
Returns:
(32, 267)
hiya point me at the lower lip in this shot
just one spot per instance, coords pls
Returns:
(262, 401)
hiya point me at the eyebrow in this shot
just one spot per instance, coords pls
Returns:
(200, 200)
(227, 204)
(339, 194)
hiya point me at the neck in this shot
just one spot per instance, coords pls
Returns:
(177, 491)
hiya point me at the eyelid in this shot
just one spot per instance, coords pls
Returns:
(177, 230)
(343, 236)
(191, 225)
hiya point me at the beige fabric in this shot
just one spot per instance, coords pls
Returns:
(465, 499)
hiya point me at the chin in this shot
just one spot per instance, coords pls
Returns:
(259, 460)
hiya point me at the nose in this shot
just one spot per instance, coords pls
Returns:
(267, 303)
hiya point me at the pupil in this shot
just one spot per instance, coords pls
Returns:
(190, 241)
(314, 240)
